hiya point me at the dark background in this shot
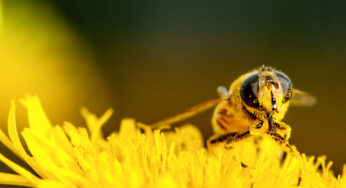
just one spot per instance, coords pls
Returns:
(156, 58)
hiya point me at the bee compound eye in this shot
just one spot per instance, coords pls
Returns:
(249, 91)
(286, 86)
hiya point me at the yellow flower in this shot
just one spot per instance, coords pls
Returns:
(137, 156)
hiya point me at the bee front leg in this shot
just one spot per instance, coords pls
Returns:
(228, 138)
(282, 135)
(277, 137)
(283, 129)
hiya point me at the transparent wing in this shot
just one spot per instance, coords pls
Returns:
(301, 98)
(188, 113)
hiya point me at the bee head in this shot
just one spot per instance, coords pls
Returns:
(266, 90)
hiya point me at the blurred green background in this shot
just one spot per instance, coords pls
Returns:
(152, 59)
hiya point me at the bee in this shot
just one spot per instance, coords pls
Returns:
(255, 104)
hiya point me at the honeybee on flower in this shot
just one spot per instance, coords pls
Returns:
(255, 104)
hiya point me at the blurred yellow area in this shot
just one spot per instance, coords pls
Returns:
(0, 15)
(40, 55)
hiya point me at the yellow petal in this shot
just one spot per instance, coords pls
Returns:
(38, 121)
(20, 170)
(7, 142)
(53, 184)
(59, 137)
(12, 132)
(14, 179)
(94, 123)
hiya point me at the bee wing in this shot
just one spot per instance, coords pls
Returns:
(302, 98)
(188, 113)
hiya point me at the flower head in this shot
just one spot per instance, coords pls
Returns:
(137, 156)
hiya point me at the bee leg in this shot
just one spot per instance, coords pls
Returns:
(228, 138)
(277, 137)
(283, 129)
(283, 141)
